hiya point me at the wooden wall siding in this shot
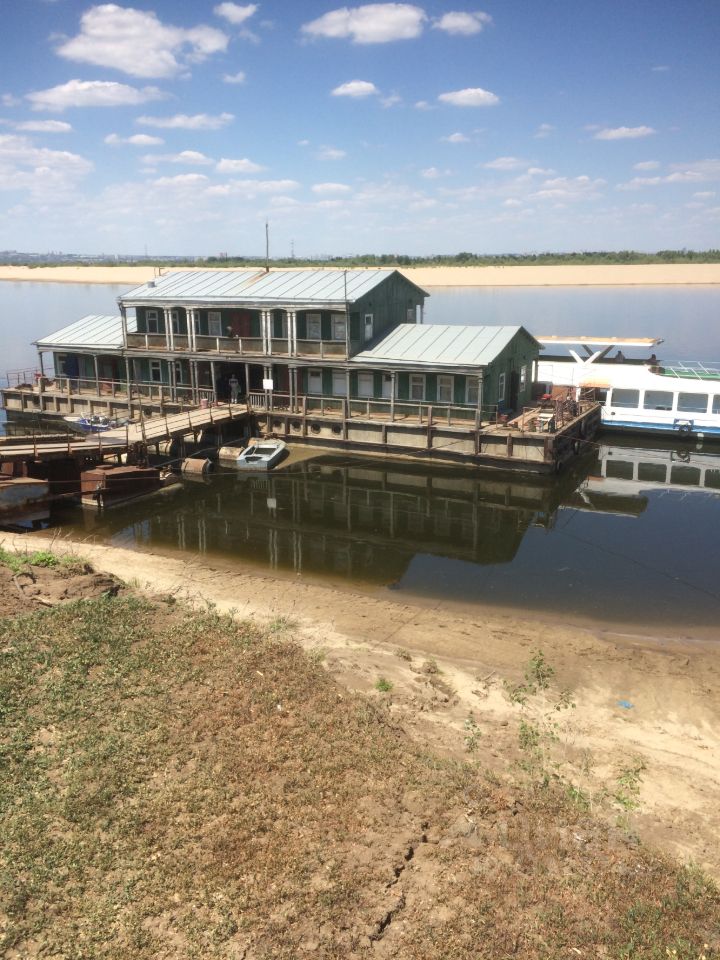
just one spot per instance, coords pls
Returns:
(388, 303)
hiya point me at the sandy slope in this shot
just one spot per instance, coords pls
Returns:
(521, 276)
(635, 697)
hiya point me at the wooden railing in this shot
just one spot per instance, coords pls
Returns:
(245, 346)
(372, 408)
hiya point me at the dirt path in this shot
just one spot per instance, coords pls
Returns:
(638, 701)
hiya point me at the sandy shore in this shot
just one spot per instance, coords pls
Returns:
(637, 700)
(521, 276)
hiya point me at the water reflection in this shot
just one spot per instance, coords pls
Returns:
(619, 538)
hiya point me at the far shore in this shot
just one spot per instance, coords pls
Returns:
(655, 274)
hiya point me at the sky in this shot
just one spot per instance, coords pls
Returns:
(176, 127)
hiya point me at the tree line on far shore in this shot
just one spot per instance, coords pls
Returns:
(462, 259)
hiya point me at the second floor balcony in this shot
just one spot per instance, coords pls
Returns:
(242, 346)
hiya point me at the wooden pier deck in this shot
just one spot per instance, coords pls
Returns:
(145, 432)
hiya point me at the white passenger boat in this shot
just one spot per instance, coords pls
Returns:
(637, 395)
(261, 455)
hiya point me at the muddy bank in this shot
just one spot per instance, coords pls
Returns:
(638, 703)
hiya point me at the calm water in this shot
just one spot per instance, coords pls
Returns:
(582, 544)
(586, 545)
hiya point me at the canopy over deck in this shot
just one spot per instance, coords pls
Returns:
(601, 341)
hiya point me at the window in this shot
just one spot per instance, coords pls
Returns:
(214, 323)
(684, 475)
(523, 378)
(314, 381)
(387, 386)
(417, 386)
(625, 398)
(369, 322)
(339, 383)
(445, 389)
(501, 388)
(156, 371)
(179, 367)
(654, 472)
(657, 400)
(410, 314)
(366, 385)
(692, 402)
(314, 326)
(472, 393)
(716, 403)
(152, 321)
(175, 321)
(619, 469)
(339, 326)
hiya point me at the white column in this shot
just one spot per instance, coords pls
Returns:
(293, 317)
(288, 321)
(169, 335)
(123, 320)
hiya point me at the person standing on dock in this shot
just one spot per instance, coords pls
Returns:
(234, 385)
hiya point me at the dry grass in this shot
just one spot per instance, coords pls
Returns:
(176, 785)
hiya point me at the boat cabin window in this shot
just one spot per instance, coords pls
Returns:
(619, 469)
(654, 472)
(692, 402)
(712, 479)
(658, 400)
(625, 398)
(686, 476)
(716, 403)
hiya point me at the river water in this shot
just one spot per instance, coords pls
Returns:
(630, 536)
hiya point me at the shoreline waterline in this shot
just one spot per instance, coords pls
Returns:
(651, 274)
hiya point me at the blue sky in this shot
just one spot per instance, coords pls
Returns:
(518, 126)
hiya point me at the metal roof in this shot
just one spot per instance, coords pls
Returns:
(602, 341)
(91, 332)
(441, 344)
(253, 286)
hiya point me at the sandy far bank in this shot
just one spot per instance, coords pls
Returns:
(638, 701)
(520, 276)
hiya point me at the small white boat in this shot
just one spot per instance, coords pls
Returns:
(96, 423)
(261, 455)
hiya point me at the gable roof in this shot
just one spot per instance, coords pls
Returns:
(261, 287)
(90, 332)
(442, 344)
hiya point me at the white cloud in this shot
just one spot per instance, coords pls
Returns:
(330, 188)
(623, 133)
(704, 195)
(10, 100)
(190, 157)
(238, 77)
(432, 173)
(701, 171)
(544, 131)
(505, 163)
(181, 121)
(91, 93)
(566, 189)
(136, 140)
(512, 202)
(182, 180)
(423, 105)
(646, 165)
(330, 153)
(391, 101)
(372, 23)
(463, 23)
(355, 88)
(44, 173)
(470, 97)
(455, 138)
(137, 43)
(44, 126)
(250, 188)
(238, 166)
(234, 13)
(661, 68)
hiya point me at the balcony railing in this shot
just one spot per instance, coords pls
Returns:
(374, 409)
(245, 346)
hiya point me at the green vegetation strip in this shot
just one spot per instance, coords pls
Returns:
(175, 784)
